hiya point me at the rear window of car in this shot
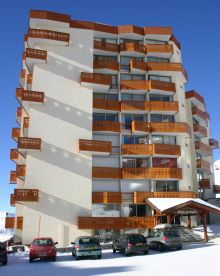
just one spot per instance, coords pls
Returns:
(42, 242)
(88, 241)
(136, 239)
(171, 234)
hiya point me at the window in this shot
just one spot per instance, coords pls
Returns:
(105, 117)
(167, 186)
(163, 139)
(135, 210)
(163, 162)
(161, 98)
(135, 162)
(124, 40)
(105, 210)
(104, 58)
(151, 41)
(131, 77)
(114, 84)
(135, 139)
(160, 78)
(125, 62)
(105, 96)
(108, 40)
(161, 118)
(132, 97)
(157, 59)
(197, 138)
(128, 118)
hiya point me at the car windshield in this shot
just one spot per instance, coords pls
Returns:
(88, 241)
(171, 234)
(42, 242)
(136, 239)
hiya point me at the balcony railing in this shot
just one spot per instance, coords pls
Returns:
(134, 105)
(216, 189)
(213, 143)
(150, 149)
(115, 222)
(20, 171)
(22, 76)
(201, 131)
(171, 127)
(202, 164)
(29, 143)
(134, 85)
(26, 195)
(14, 154)
(132, 47)
(13, 177)
(30, 96)
(19, 223)
(35, 54)
(96, 78)
(106, 172)
(106, 64)
(140, 126)
(48, 15)
(26, 122)
(162, 86)
(198, 113)
(138, 65)
(12, 200)
(193, 94)
(204, 183)
(106, 126)
(105, 46)
(95, 146)
(159, 48)
(19, 115)
(130, 29)
(29, 79)
(9, 223)
(16, 132)
(158, 31)
(48, 34)
(203, 148)
(164, 106)
(107, 104)
(107, 197)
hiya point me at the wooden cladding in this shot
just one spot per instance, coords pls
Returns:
(162, 86)
(29, 79)
(29, 143)
(26, 195)
(150, 149)
(193, 94)
(96, 78)
(30, 96)
(159, 48)
(9, 223)
(95, 146)
(105, 46)
(115, 222)
(202, 164)
(106, 126)
(140, 126)
(136, 173)
(107, 197)
(199, 146)
(216, 188)
(157, 30)
(22, 74)
(16, 132)
(199, 113)
(48, 34)
(20, 171)
(35, 54)
(204, 183)
(13, 177)
(201, 131)
(213, 144)
(130, 29)
(106, 64)
(19, 223)
(12, 200)
(26, 122)
(140, 197)
(14, 154)
(132, 47)
(107, 104)
(38, 14)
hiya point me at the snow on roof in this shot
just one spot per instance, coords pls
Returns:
(166, 203)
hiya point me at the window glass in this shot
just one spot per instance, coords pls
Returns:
(105, 210)
(158, 97)
(157, 59)
(102, 58)
(131, 77)
(105, 117)
(43, 242)
(167, 186)
(163, 162)
(135, 162)
(163, 139)
(162, 118)
(151, 41)
(160, 78)
(114, 84)
(98, 96)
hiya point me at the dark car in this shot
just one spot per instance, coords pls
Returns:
(42, 248)
(86, 246)
(130, 243)
(3, 254)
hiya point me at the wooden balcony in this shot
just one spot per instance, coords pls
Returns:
(16, 156)
(159, 33)
(107, 197)
(132, 47)
(199, 114)
(165, 127)
(9, 223)
(16, 132)
(152, 173)
(138, 66)
(106, 172)
(29, 96)
(105, 65)
(115, 222)
(162, 87)
(204, 184)
(106, 47)
(150, 149)
(175, 41)
(140, 197)
(195, 96)
(98, 82)
(106, 126)
(216, 189)
(19, 223)
(26, 122)
(29, 81)
(13, 177)
(12, 200)
(26, 195)
(22, 77)
(106, 104)
(203, 165)
(130, 30)
(200, 130)
(134, 85)
(138, 126)
(165, 107)
(203, 148)
(21, 171)
(49, 35)
(96, 147)
(213, 143)
(135, 106)
(160, 50)
(35, 54)
(26, 143)
(19, 115)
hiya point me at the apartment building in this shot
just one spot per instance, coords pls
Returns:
(104, 123)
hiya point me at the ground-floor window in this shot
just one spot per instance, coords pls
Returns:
(167, 186)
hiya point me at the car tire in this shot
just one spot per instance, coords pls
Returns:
(54, 259)
(31, 260)
(179, 248)
(160, 247)
(126, 253)
(99, 256)
(146, 252)
(114, 250)
(4, 262)
(77, 258)
(73, 254)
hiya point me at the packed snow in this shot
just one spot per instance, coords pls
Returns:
(196, 259)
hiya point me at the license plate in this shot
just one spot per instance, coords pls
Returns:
(42, 255)
(138, 244)
(89, 248)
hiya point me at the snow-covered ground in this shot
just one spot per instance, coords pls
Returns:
(194, 259)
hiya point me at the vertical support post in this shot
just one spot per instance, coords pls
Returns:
(205, 227)
(189, 222)
(169, 218)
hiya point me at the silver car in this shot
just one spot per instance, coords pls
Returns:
(161, 239)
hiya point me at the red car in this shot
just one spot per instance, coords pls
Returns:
(42, 248)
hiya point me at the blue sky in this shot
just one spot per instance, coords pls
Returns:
(196, 24)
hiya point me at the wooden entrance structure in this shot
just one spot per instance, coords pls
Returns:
(170, 207)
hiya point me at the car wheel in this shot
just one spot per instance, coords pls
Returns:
(77, 258)
(73, 253)
(31, 260)
(100, 256)
(114, 249)
(126, 253)
(145, 252)
(4, 262)
(54, 259)
(179, 248)
(160, 247)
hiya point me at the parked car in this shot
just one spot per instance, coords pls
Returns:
(164, 238)
(3, 254)
(86, 246)
(130, 243)
(42, 248)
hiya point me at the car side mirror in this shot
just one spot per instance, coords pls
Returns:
(55, 243)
